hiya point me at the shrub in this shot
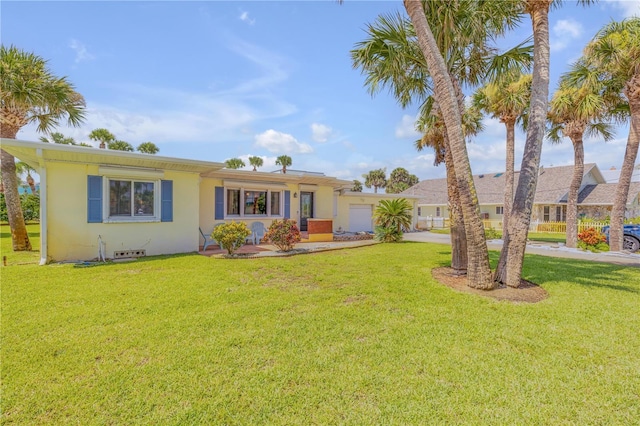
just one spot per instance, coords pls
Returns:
(30, 207)
(388, 234)
(593, 240)
(231, 236)
(283, 234)
(492, 234)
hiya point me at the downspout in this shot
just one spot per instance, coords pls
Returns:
(43, 208)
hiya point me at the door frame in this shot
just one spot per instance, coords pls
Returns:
(304, 225)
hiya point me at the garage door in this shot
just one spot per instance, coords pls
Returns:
(360, 218)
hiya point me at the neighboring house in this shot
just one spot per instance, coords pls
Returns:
(595, 198)
(95, 201)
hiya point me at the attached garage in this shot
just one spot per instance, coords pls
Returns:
(360, 217)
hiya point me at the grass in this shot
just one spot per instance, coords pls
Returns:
(20, 257)
(362, 336)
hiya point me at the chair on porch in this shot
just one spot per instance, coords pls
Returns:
(208, 240)
(257, 232)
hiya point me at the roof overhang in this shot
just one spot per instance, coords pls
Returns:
(246, 176)
(36, 154)
(381, 195)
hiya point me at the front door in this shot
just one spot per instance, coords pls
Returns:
(306, 209)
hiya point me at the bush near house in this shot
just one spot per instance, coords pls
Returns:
(592, 240)
(30, 207)
(231, 236)
(283, 234)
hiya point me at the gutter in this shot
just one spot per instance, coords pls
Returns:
(43, 207)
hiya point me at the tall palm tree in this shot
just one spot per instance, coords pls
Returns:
(284, 161)
(103, 136)
(399, 180)
(357, 186)
(29, 93)
(234, 163)
(256, 162)
(22, 167)
(576, 111)
(119, 145)
(376, 179)
(506, 99)
(57, 137)
(615, 53)
(462, 31)
(520, 217)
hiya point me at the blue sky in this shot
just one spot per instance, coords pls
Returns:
(215, 80)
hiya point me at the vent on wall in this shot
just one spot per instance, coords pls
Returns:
(129, 253)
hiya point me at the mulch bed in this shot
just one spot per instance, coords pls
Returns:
(528, 292)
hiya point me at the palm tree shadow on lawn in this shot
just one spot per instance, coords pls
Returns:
(540, 269)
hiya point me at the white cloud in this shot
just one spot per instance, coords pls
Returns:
(320, 133)
(406, 128)
(629, 7)
(281, 143)
(564, 31)
(82, 54)
(244, 17)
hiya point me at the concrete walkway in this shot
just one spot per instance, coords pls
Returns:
(541, 248)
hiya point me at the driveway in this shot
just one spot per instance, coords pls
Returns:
(543, 249)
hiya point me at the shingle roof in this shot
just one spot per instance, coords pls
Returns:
(552, 187)
(605, 193)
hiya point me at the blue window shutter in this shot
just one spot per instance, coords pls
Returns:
(219, 202)
(166, 198)
(287, 204)
(94, 199)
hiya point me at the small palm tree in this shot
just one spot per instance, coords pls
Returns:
(256, 162)
(391, 217)
(148, 148)
(103, 136)
(30, 93)
(615, 53)
(576, 110)
(357, 186)
(57, 137)
(376, 179)
(22, 167)
(234, 163)
(284, 161)
(120, 146)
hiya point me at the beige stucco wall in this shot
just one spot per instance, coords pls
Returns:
(341, 220)
(323, 203)
(70, 237)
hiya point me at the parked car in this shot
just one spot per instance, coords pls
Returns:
(631, 240)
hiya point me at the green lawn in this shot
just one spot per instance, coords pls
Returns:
(551, 237)
(361, 336)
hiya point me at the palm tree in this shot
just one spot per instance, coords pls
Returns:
(22, 167)
(148, 148)
(284, 161)
(576, 110)
(376, 179)
(460, 33)
(615, 53)
(506, 99)
(400, 180)
(48, 100)
(57, 137)
(120, 146)
(103, 136)
(234, 163)
(393, 215)
(357, 186)
(255, 162)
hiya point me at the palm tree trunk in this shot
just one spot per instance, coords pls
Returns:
(501, 270)
(459, 257)
(520, 216)
(19, 237)
(478, 269)
(572, 198)
(31, 183)
(630, 155)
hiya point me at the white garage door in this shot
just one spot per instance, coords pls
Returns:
(360, 218)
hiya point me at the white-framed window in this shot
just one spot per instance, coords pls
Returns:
(246, 202)
(131, 200)
(499, 210)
